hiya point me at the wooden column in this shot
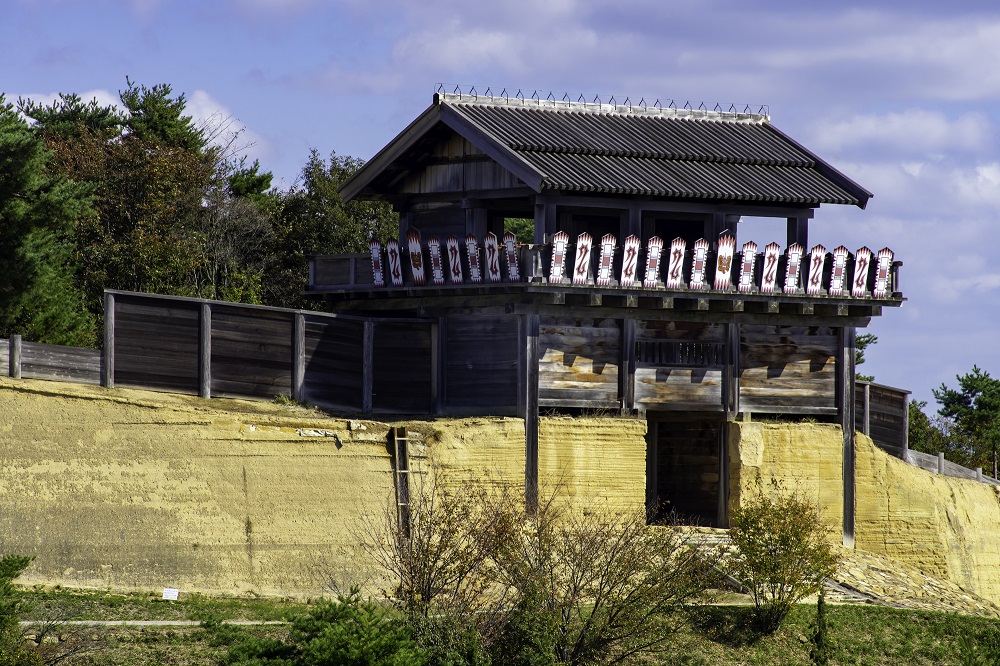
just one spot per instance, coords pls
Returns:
(722, 509)
(652, 498)
(731, 372)
(531, 325)
(367, 365)
(108, 355)
(298, 357)
(798, 231)
(634, 223)
(545, 220)
(626, 368)
(14, 357)
(476, 222)
(405, 219)
(845, 407)
(437, 368)
(205, 351)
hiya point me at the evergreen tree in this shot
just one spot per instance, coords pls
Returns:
(39, 211)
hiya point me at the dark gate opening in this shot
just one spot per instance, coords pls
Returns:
(683, 469)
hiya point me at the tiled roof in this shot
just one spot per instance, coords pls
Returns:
(719, 156)
(669, 153)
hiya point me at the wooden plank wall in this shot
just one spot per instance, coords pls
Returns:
(455, 166)
(251, 352)
(785, 369)
(56, 362)
(156, 343)
(662, 386)
(334, 364)
(882, 414)
(403, 368)
(481, 363)
(4, 357)
(578, 362)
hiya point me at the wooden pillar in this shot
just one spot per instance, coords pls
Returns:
(299, 357)
(845, 407)
(731, 224)
(14, 357)
(531, 413)
(545, 220)
(634, 223)
(367, 365)
(731, 372)
(108, 354)
(205, 351)
(476, 222)
(626, 368)
(866, 401)
(722, 509)
(906, 430)
(652, 497)
(437, 369)
(798, 231)
(405, 220)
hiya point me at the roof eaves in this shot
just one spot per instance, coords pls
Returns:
(824, 168)
(392, 151)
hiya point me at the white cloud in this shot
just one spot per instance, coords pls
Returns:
(910, 132)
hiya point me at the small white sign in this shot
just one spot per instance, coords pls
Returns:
(170, 593)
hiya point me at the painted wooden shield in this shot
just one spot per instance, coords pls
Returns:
(882, 273)
(746, 266)
(416, 257)
(378, 275)
(510, 244)
(862, 267)
(608, 244)
(654, 248)
(492, 251)
(395, 262)
(817, 264)
(630, 262)
(472, 247)
(838, 274)
(769, 273)
(558, 270)
(581, 264)
(675, 264)
(724, 263)
(699, 261)
(437, 265)
(455, 274)
(794, 262)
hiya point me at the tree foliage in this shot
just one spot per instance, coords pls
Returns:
(782, 554)
(39, 211)
(314, 219)
(972, 418)
(13, 651)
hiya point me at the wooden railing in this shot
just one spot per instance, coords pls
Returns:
(795, 271)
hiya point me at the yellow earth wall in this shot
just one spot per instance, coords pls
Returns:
(944, 526)
(128, 489)
(593, 461)
(805, 458)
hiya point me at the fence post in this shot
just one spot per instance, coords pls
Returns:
(979, 474)
(298, 357)
(941, 462)
(14, 357)
(205, 351)
(108, 356)
(368, 366)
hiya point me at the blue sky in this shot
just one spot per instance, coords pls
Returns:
(901, 96)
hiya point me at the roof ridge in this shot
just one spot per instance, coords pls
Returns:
(645, 111)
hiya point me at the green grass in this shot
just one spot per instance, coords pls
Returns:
(719, 635)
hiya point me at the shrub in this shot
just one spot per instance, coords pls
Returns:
(346, 632)
(782, 555)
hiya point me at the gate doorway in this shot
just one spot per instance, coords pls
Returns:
(686, 468)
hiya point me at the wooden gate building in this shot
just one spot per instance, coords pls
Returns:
(637, 293)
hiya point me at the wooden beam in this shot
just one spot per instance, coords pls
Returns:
(14, 357)
(626, 367)
(205, 351)
(531, 414)
(845, 407)
(652, 498)
(298, 357)
(108, 357)
(367, 365)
